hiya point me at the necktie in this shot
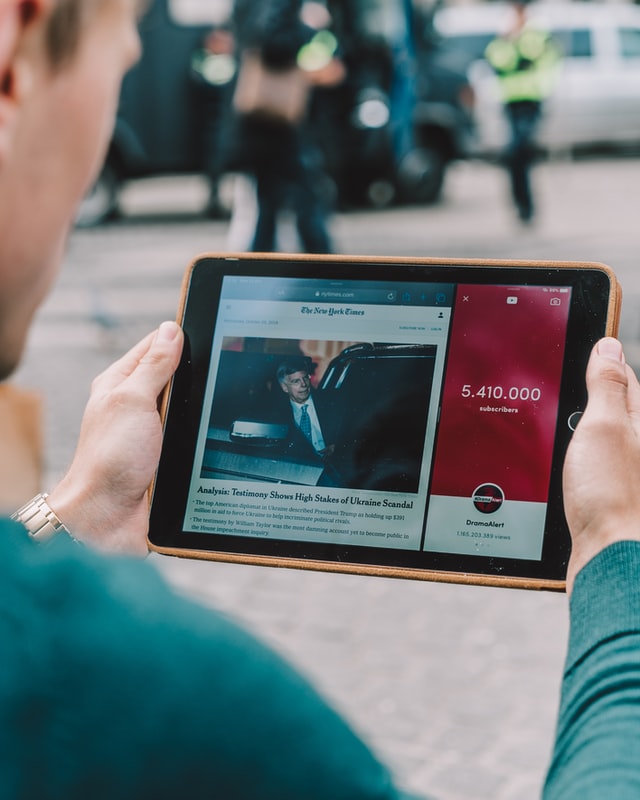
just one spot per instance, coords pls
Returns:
(305, 422)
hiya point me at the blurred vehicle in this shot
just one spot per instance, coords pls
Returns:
(596, 100)
(394, 68)
(163, 127)
(444, 115)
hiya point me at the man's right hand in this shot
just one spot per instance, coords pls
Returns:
(602, 468)
(103, 497)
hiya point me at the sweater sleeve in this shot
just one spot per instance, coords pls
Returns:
(597, 748)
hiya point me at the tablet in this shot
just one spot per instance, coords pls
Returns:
(398, 417)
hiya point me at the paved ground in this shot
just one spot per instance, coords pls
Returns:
(455, 686)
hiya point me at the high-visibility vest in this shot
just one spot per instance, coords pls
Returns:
(526, 65)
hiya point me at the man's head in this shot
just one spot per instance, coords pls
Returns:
(293, 377)
(61, 66)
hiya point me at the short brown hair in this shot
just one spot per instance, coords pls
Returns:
(67, 21)
(65, 26)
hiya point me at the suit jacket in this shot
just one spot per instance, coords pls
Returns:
(298, 445)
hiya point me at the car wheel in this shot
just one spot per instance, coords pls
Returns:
(101, 201)
(421, 175)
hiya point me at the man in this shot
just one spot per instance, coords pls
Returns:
(295, 382)
(524, 60)
(312, 420)
(212, 68)
(110, 686)
(277, 150)
(57, 106)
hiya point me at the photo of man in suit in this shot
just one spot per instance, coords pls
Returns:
(352, 416)
(312, 421)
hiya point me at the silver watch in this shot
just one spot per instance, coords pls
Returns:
(40, 520)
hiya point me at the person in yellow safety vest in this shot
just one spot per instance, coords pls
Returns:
(525, 61)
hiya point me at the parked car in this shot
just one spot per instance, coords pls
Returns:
(164, 125)
(596, 99)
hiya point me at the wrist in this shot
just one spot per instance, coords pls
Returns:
(593, 540)
(78, 508)
(99, 521)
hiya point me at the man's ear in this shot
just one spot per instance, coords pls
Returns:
(15, 17)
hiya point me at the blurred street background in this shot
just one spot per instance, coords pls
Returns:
(455, 687)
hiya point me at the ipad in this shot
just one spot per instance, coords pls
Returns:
(397, 417)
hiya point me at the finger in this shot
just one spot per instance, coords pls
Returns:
(124, 366)
(158, 364)
(633, 396)
(607, 380)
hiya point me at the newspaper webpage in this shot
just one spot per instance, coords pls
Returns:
(369, 365)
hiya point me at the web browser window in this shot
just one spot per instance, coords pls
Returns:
(375, 356)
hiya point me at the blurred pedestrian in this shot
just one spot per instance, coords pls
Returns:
(213, 66)
(281, 59)
(525, 60)
(400, 36)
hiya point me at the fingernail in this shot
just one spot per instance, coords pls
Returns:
(167, 332)
(611, 348)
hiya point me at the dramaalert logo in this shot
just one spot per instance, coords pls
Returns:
(488, 498)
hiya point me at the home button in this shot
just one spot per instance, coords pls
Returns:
(574, 419)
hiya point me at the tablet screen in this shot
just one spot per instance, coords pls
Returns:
(399, 421)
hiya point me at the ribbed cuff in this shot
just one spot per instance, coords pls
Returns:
(605, 601)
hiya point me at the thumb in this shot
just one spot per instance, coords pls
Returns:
(155, 368)
(607, 379)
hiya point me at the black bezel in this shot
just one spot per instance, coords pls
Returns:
(590, 303)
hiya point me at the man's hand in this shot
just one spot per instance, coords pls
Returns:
(103, 498)
(602, 468)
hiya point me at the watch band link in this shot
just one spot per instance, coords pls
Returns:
(40, 520)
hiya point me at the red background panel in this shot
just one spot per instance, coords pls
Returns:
(512, 345)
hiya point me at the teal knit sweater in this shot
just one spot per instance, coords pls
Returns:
(113, 687)
(597, 750)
